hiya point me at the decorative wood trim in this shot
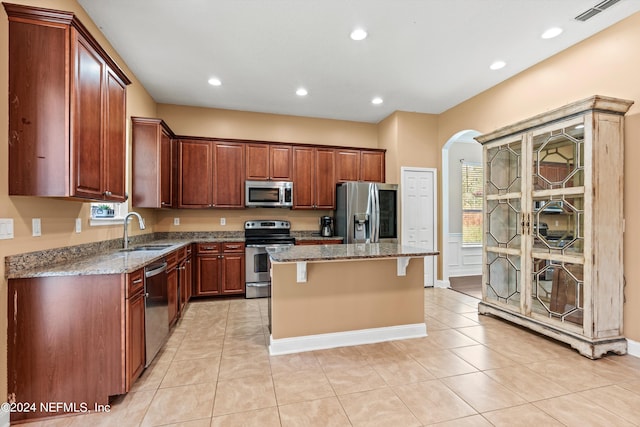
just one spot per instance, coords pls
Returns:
(596, 103)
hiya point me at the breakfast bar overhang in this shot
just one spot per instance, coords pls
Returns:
(329, 296)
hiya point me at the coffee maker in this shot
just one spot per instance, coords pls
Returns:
(326, 226)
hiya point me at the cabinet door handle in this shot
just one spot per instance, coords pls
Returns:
(208, 248)
(137, 281)
(107, 193)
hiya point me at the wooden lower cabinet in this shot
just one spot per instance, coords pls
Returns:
(220, 269)
(67, 340)
(185, 278)
(135, 344)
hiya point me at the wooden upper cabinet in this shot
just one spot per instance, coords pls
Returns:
(372, 166)
(228, 173)
(210, 174)
(269, 162)
(347, 165)
(195, 174)
(67, 121)
(325, 188)
(360, 165)
(314, 178)
(152, 158)
(303, 178)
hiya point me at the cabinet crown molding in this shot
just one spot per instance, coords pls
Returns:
(595, 103)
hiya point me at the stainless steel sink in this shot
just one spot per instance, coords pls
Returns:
(157, 247)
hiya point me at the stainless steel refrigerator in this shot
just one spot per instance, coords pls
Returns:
(367, 212)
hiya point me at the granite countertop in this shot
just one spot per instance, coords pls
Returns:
(345, 252)
(108, 258)
(115, 261)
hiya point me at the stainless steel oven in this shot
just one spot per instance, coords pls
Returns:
(260, 235)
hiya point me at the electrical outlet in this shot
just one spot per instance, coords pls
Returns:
(36, 227)
(223, 221)
(176, 221)
(78, 225)
(6, 228)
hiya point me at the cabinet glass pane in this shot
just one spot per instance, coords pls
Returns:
(558, 158)
(503, 281)
(503, 221)
(559, 224)
(557, 290)
(503, 171)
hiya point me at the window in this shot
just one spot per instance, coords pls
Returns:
(108, 213)
(471, 204)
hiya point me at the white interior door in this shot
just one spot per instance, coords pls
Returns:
(419, 214)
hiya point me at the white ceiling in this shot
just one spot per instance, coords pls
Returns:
(421, 55)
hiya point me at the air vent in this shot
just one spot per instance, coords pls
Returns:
(590, 13)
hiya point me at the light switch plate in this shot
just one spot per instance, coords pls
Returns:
(36, 227)
(78, 225)
(6, 228)
(223, 221)
(176, 221)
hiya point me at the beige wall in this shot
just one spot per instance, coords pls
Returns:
(606, 64)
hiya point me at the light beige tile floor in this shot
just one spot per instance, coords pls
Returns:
(215, 370)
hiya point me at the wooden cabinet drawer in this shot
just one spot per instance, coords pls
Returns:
(135, 282)
(181, 253)
(204, 248)
(172, 260)
(233, 247)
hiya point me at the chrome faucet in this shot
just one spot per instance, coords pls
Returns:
(125, 242)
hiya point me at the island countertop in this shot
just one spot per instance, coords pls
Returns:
(347, 252)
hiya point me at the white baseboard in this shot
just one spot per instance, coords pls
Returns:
(342, 339)
(442, 284)
(4, 419)
(633, 348)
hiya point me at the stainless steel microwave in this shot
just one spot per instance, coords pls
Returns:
(268, 194)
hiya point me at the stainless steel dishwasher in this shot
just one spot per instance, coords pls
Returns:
(156, 309)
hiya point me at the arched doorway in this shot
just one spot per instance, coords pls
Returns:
(456, 259)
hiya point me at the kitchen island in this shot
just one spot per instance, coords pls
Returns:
(337, 295)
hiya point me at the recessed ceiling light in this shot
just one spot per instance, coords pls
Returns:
(358, 34)
(377, 100)
(301, 92)
(551, 33)
(214, 81)
(497, 65)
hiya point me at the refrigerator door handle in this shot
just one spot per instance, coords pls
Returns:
(375, 214)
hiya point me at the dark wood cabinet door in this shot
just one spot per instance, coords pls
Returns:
(135, 338)
(172, 293)
(228, 175)
(195, 174)
(347, 165)
(166, 171)
(38, 159)
(115, 139)
(185, 279)
(207, 275)
(280, 164)
(372, 166)
(257, 162)
(303, 177)
(232, 280)
(86, 120)
(325, 181)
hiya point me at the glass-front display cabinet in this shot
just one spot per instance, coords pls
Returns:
(553, 224)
